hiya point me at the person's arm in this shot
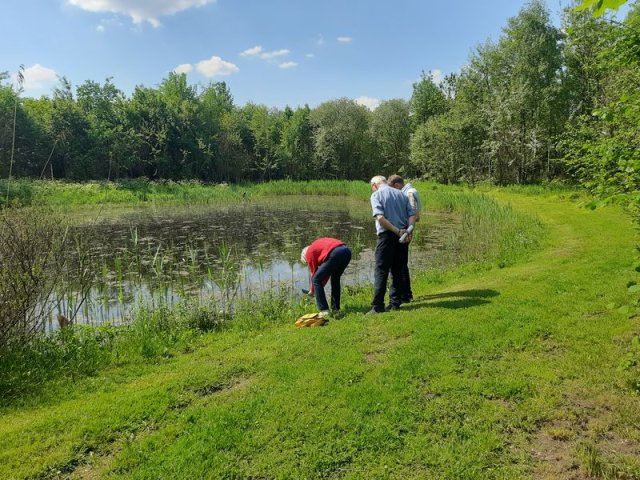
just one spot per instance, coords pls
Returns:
(411, 213)
(312, 262)
(414, 204)
(387, 225)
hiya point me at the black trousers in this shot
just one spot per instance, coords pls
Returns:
(406, 279)
(391, 256)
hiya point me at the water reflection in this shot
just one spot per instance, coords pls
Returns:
(152, 255)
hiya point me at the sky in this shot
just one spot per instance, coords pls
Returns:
(271, 52)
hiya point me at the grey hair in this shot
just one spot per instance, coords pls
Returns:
(303, 254)
(378, 180)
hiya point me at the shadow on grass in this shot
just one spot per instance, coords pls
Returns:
(456, 299)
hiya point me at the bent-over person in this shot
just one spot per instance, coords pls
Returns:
(327, 258)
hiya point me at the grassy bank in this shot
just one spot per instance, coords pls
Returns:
(526, 371)
(134, 192)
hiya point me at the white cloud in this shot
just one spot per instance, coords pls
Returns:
(215, 66)
(258, 52)
(369, 102)
(309, 55)
(344, 39)
(251, 52)
(38, 77)
(274, 54)
(183, 68)
(286, 65)
(140, 11)
(100, 28)
(320, 40)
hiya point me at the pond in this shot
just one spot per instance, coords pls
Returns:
(153, 255)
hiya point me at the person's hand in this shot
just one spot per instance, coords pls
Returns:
(408, 238)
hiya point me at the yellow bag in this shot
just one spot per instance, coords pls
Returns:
(311, 320)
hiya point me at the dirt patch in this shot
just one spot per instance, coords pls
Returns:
(586, 440)
(553, 453)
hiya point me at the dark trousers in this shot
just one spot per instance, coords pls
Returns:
(391, 256)
(407, 295)
(332, 267)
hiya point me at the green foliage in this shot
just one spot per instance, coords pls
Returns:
(601, 144)
(505, 109)
(343, 147)
(32, 253)
(427, 100)
(599, 7)
(390, 127)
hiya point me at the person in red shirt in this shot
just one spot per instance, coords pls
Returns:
(326, 257)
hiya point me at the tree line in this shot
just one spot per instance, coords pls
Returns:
(540, 103)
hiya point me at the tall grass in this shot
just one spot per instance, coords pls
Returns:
(152, 334)
(490, 232)
(132, 192)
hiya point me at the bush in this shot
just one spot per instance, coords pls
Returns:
(31, 255)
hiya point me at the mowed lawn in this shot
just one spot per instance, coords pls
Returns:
(528, 371)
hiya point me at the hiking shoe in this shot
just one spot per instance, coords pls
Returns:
(323, 313)
(391, 307)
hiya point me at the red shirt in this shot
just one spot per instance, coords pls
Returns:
(318, 252)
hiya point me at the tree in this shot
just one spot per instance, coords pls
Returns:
(391, 129)
(103, 107)
(68, 128)
(214, 102)
(296, 145)
(602, 145)
(343, 147)
(181, 126)
(427, 100)
(20, 78)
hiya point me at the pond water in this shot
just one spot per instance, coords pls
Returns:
(150, 255)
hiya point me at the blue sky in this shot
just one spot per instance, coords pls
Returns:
(272, 52)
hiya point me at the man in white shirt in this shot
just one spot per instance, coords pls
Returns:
(396, 181)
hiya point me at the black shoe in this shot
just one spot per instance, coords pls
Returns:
(373, 311)
(406, 299)
(391, 307)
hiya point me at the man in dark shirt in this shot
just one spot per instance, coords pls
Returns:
(393, 214)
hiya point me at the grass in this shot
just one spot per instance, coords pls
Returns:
(525, 371)
(26, 192)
